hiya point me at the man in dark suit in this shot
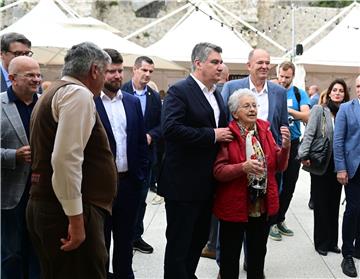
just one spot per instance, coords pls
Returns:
(151, 110)
(122, 118)
(272, 98)
(193, 123)
(12, 45)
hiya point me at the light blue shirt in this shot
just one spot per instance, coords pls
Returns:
(6, 75)
(142, 97)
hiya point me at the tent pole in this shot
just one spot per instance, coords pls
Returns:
(223, 18)
(190, 11)
(250, 26)
(68, 9)
(326, 25)
(11, 5)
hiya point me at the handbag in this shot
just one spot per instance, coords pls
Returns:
(320, 147)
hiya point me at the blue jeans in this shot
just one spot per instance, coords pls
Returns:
(18, 258)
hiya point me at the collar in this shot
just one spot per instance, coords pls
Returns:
(13, 98)
(136, 92)
(203, 86)
(119, 95)
(74, 80)
(253, 88)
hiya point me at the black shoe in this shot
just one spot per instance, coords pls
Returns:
(335, 249)
(348, 267)
(311, 204)
(141, 246)
(322, 252)
(356, 254)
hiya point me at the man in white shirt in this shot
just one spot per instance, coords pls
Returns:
(193, 125)
(122, 117)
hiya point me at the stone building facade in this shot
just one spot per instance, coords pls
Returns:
(273, 17)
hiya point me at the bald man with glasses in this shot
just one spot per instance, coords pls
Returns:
(18, 259)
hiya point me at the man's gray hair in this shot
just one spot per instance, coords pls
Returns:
(201, 52)
(234, 99)
(81, 57)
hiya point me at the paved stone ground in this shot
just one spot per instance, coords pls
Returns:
(293, 257)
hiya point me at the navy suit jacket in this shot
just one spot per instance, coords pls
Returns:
(4, 86)
(188, 124)
(136, 144)
(346, 138)
(152, 116)
(278, 112)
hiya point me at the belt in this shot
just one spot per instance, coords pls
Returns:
(123, 174)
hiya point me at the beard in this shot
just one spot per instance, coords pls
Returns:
(112, 86)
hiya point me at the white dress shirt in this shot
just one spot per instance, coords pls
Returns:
(262, 100)
(209, 95)
(116, 113)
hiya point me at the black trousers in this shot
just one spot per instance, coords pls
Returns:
(47, 224)
(326, 196)
(187, 232)
(290, 177)
(122, 225)
(351, 217)
(231, 237)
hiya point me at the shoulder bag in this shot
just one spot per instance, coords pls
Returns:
(320, 147)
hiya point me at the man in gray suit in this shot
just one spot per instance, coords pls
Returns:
(17, 259)
(271, 97)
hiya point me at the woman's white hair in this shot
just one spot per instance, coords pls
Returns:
(234, 99)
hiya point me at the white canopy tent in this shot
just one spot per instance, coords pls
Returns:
(196, 27)
(338, 51)
(52, 32)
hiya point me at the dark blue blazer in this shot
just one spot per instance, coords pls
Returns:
(152, 116)
(278, 111)
(3, 82)
(190, 150)
(136, 144)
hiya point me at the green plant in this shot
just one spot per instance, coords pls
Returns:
(331, 4)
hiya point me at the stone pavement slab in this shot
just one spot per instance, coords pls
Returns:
(293, 257)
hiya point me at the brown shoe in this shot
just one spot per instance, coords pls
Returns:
(207, 253)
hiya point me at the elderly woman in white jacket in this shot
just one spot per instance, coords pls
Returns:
(326, 189)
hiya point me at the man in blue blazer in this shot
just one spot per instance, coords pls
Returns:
(272, 98)
(347, 162)
(121, 115)
(151, 109)
(17, 257)
(193, 123)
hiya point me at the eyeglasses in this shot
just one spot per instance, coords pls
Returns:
(249, 106)
(28, 53)
(30, 76)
